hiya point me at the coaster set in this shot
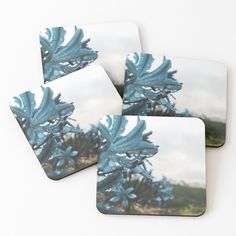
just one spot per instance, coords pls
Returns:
(145, 119)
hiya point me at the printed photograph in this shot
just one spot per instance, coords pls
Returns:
(146, 167)
(180, 87)
(60, 119)
(68, 49)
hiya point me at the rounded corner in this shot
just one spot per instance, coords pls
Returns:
(98, 67)
(201, 213)
(51, 178)
(222, 144)
(200, 122)
(99, 210)
(224, 66)
(134, 24)
(217, 146)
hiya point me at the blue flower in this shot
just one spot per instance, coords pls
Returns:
(66, 157)
(60, 59)
(124, 151)
(147, 89)
(49, 117)
(44, 126)
(164, 191)
(123, 195)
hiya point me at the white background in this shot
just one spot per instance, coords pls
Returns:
(30, 203)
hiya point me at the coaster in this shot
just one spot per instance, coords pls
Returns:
(145, 167)
(166, 86)
(60, 119)
(68, 49)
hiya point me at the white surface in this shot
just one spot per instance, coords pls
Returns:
(30, 203)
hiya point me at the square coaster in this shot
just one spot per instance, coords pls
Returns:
(145, 167)
(60, 119)
(70, 48)
(169, 86)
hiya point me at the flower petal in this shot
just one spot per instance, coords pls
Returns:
(132, 196)
(115, 199)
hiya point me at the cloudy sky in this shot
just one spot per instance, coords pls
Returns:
(181, 141)
(113, 41)
(204, 86)
(92, 93)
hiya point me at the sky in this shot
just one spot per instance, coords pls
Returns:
(181, 152)
(204, 89)
(91, 92)
(113, 41)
